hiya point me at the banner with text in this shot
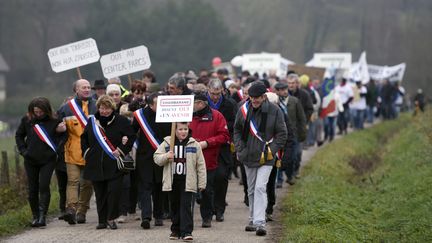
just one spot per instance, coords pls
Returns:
(331, 60)
(73, 55)
(174, 108)
(125, 62)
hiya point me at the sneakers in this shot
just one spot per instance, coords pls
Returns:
(206, 223)
(145, 224)
(250, 227)
(80, 218)
(158, 222)
(261, 231)
(187, 237)
(122, 219)
(174, 236)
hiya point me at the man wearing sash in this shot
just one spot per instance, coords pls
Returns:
(259, 132)
(75, 113)
(149, 174)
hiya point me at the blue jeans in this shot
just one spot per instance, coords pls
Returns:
(370, 114)
(358, 118)
(329, 127)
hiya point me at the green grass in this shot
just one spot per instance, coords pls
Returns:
(16, 214)
(17, 220)
(390, 202)
(8, 144)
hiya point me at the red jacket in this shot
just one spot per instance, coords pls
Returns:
(212, 128)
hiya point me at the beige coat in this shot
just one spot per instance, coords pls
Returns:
(196, 176)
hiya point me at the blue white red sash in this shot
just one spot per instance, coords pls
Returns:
(102, 139)
(240, 94)
(43, 135)
(78, 112)
(148, 132)
(253, 127)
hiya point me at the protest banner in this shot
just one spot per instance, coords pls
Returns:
(174, 108)
(393, 73)
(359, 70)
(331, 60)
(265, 62)
(312, 72)
(73, 55)
(125, 62)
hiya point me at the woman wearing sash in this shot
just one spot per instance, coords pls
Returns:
(102, 145)
(36, 141)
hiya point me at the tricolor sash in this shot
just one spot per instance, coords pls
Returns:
(266, 152)
(240, 94)
(43, 135)
(78, 112)
(102, 139)
(148, 132)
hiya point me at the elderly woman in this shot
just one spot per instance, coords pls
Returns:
(36, 140)
(102, 146)
(113, 91)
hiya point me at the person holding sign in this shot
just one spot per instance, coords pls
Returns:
(150, 135)
(101, 143)
(210, 129)
(184, 173)
(75, 114)
(36, 142)
(259, 132)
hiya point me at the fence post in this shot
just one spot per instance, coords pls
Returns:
(17, 165)
(4, 179)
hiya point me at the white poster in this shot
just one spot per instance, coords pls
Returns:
(331, 60)
(174, 108)
(125, 62)
(73, 55)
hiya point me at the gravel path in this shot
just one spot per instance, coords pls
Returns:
(231, 230)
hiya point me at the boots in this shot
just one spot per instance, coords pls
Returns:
(42, 217)
(35, 220)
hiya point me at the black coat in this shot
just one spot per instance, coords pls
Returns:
(99, 166)
(30, 146)
(146, 168)
(228, 108)
(306, 101)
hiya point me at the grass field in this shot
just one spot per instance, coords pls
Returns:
(370, 186)
(16, 214)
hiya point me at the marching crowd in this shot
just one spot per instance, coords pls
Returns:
(254, 125)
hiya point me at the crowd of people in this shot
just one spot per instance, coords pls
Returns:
(251, 127)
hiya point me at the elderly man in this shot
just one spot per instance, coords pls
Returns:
(177, 85)
(75, 113)
(99, 87)
(209, 128)
(227, 107)
(259, 132)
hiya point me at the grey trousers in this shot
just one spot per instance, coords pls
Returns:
(257, 178)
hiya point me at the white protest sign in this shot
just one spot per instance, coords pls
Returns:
(125, 62)
(73, 55)
(376, 72)
(331, 60)
(264, 62)
(359, 70)
(174, 108)
(393, 73)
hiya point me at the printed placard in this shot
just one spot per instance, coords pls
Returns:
(73, 55)
(174, 108)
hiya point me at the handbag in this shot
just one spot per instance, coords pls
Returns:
(125, 163)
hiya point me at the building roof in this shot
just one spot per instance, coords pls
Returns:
(3, 65)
